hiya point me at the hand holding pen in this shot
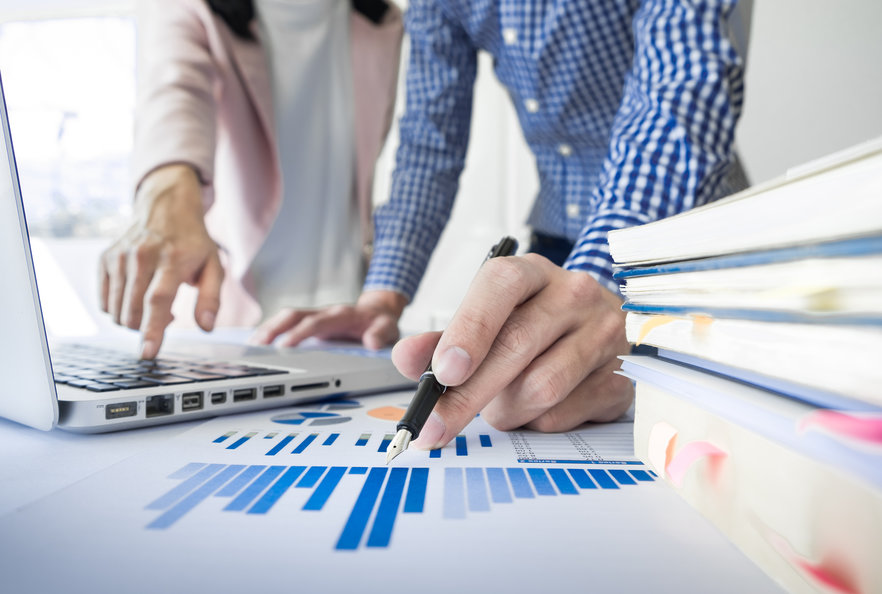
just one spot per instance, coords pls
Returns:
(531, 345)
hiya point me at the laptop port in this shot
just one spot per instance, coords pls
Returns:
(157, 406)
(122, 409)
(218, 397)
(315, 386)
(273, 391)
(244, 394)
(191, 401)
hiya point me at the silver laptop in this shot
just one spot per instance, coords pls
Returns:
(96, 387)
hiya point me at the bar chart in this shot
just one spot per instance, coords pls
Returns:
(382, 495)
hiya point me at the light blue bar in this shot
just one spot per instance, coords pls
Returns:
(582, 479)
(187, 470)
(499, 491)
(485, 441)
(185, 487)
(477, 490)
(238, 483)
(278, 447)
(361, 511)
(563, 482)
(311, 477)
(641, 475)
(278, 489)
(454, 494)
(602, 478)
(541, 482)
(331, 439)
(461, 447)
(416, 491)
(321, 494)
(436, 453)
(303, 444)
(623, 477)
(384, 522)
(519, 483)
(176, 512)
(254, 489)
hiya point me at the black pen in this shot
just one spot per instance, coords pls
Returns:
(429, 389)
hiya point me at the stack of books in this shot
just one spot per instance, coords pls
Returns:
(761, 398)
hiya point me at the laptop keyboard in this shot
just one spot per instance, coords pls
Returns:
(105, 370)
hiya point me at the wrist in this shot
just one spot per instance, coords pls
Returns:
(389, 302)
(168, 195)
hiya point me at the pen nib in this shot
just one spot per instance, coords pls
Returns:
(398, 445)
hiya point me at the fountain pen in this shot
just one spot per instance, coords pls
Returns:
(429, 390)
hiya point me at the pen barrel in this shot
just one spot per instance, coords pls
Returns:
(427, 393)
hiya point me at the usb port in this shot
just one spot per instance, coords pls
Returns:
(218, 397)
(191, 401)
(244, 394)
(157, 406)
(273, 391)
(122, 409)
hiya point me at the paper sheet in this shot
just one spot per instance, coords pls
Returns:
(301, 499)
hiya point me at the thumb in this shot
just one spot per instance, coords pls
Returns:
(208, 299)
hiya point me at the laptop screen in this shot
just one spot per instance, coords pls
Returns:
(28, 394)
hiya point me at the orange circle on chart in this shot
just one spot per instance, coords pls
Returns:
(387, 413)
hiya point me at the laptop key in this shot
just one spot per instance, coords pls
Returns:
(163, 378)
(131, 384)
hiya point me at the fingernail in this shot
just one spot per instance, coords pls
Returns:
(206, 319)
(149, 349)
(431, 434)
(452, 366)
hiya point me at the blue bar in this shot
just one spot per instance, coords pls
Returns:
(477, 490)
(321, 494)
(384, 445)
(303, 444)
(641, 475)
(278, 489)
(358, 470)
(623, 477)
(236, 485)
(454, 494)
(461, 448)
(175, 513)
(381, 532)
(185, 487)
(416, 491)
(582, 479)
(603, 479)
(186, 471)
(541, 482)
(254, 489)
(519, 483)
(224, 437)
(278, 447)
(564, 484)
(436, 453)
(652, 473)
(361, 511)
(311, 477)
(485, 441)
(331, 439)
(240, 441)
(499, 491)
(362, 441)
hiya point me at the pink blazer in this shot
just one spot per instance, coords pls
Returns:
(204, 99)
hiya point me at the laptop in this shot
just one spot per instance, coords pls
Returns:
(97, 386)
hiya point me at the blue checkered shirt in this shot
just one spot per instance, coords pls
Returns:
(629, 107)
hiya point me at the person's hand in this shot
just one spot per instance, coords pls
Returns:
(373, 321)
(532, 345)
(166, 245)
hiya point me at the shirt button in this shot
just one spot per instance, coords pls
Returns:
(573, 210)
(531, 105)
(510, 36)
(564, 149)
